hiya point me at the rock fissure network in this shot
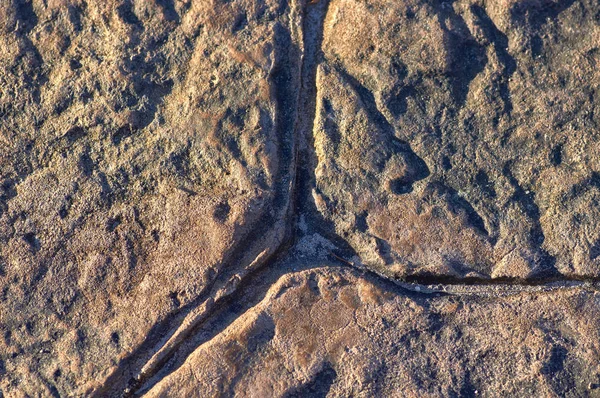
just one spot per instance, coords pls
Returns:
(299, 198)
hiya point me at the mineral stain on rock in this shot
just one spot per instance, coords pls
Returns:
(229, 198)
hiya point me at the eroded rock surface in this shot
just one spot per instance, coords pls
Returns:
(331, 332)
(158, 158)
(460, 139)
(145, 150)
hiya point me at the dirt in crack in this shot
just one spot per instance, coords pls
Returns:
(313, 34)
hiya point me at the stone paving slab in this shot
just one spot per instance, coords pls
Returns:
(460, 139)
(145, 153)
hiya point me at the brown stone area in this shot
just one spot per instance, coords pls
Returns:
(273, 198)
(331, 332)
(460, 139)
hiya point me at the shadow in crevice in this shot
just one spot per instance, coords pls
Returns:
(500, 43)
(249, 294)
(457, 204)
(124, 380)
(396, 101)
(127, 15)
(318, 387)
(416, 169)
(535, 13)
(34, 76)
(536, 237)
(168, 9)
(532, 15)
(466, 57)
(306, 158)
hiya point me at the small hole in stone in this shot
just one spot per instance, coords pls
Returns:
(175, 299)
(32, 240)
(401, 186)
(74, 64)
(114, 337)
(222, 211)
(113, 223)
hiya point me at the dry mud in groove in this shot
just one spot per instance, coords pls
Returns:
(166, 349)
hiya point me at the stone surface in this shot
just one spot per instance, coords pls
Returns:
(172, 172)
(145, 150)
(460, 139)
(331, 332)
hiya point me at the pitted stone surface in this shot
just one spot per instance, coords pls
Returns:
(143, 146)
(331, 332)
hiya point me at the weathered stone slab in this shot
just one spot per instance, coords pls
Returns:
(145, 152)
(331, 332)
(461, 139)
(154, 154)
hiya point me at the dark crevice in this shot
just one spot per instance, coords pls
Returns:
(535, 14)
(526, 200)
(466, 57)
(253, 289)
(125, 12)
(312, 37)
(313, 27)
(123, 382)
(556, 155)
(538, 280)
(417, 168)
(34, 76)
(168, 9)
(459, 205)
(296, 110)
(318, 387)
(250, 293)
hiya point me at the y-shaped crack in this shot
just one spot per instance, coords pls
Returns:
(295, 111)
(212, 312)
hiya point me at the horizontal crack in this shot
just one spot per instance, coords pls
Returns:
(473, 286)
(449, 280)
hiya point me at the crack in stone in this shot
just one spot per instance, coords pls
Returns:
(200, 318)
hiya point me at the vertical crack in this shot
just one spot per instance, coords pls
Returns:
(312, 37)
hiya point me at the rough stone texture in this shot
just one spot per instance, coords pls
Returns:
(330, 332)
(172, 172)
(144, 147)
(460, 139)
